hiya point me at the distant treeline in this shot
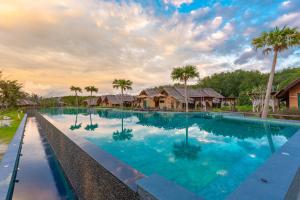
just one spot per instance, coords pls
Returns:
(238, 83)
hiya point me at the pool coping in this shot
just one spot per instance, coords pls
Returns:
(277, 178)
(9, 163)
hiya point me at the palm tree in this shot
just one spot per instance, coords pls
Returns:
(124, 85)
(76, 89)
(184, 74)
(91, 89)
(275, 41)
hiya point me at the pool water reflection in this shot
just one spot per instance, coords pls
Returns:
(207, 155)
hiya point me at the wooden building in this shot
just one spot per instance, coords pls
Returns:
(116, 100)
(150, 98)
(173, 98)
(291, 95)
(26, 103)
(94, 101)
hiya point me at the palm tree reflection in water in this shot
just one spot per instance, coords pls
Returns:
(185, 150)
(75, 126)
(124, 134)
(91, 126)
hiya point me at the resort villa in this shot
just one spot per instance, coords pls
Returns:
(291, 95)
(173, 98)
(166, 98)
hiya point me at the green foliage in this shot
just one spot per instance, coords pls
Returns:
(277, 40)
(285, 77)
(238, 83)
(10, 92)
(68, 100)
(184, 73)
(123, 84)
(91, 89)
(7, 133)
(75, 89)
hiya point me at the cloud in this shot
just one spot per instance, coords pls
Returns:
(74, 42)
(178, 3)
(290, 19)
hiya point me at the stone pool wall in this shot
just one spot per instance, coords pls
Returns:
(88, 178)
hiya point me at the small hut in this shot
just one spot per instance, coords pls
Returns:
(91, 102)
(149, 98)
(291, 95)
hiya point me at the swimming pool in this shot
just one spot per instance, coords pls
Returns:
(206, 153)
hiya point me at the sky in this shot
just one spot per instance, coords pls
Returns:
(50, 45)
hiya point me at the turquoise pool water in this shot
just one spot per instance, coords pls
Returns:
(205, 153)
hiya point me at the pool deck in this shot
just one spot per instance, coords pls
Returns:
(278, 178)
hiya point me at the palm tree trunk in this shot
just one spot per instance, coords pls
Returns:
(122, 98)
(76, 99)
(269, 88)
(185, 94)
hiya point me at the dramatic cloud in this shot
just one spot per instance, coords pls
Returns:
(52, 44)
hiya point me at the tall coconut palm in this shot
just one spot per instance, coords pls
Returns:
(124, 85)
(276, 41)
(184, 74)
(91, 89)
(76, 90)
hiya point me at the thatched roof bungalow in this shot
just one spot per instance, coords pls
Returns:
(291, 95)
(150, 98)
(94, 101)
(26, 103)
(116, 100)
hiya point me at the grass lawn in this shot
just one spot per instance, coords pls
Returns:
(7, 133)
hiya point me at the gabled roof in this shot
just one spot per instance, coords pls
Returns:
(282, 93)
(26, 102)
(113, 99)
(117, 99)
(151, 92)
(92, 101)
(212, 93)
(177, 94)
(126, 97)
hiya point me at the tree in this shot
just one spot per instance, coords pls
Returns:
(76, 90)
(124, 85)
(91, 89)
(10, 92)
(276, 41)
(184, 74)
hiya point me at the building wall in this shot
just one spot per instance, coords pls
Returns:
(293, 96)
(172, 104)
(149, 103)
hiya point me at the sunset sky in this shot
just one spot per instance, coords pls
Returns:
(51, 44)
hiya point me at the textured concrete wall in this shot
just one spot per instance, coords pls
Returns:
(89, 179)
